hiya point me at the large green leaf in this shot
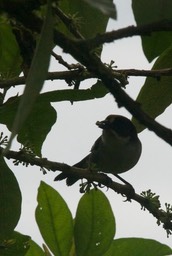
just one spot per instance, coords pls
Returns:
(54, 220)
(10, 200)
(147, 11)
(37, 125)
(10, 59)
(138, 246)
(15, 245)
(156, 94)
(94, 225)
(37, 74)
(87, 19)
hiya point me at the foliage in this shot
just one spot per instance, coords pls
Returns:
(154, 90)
(92, 230)
(29, 32)
(158, 42)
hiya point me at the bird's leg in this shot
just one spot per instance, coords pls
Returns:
(86, 186)
(121, 179)
(131, 189)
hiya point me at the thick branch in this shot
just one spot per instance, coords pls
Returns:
(142, 30)
(151, 206)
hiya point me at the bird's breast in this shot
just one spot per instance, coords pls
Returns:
(117, 157)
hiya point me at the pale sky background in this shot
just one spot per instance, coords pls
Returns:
(74, 133)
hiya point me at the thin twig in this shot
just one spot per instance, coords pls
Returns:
(156, 73)
(61, 75)
(65, 64)
(83, 74)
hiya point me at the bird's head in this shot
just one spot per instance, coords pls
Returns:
(118, 126)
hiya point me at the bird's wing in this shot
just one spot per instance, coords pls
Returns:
(84, 163)
(96, 145)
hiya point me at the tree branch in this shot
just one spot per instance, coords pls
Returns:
(156, 73)
(151, 204)
(83, 74)
(65, 64)
(61, 75)
(142, 30)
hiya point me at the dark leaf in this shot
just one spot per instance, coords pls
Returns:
(148, 11)
(96, 91)
(107, 7)
(15, 245)
(37, 74)
(10, 200)
(37, 125)
(156, 94)
(88, 20)
(10, 59)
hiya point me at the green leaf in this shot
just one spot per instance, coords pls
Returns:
(34, 250)
(16, 244)
(37, 125)
(10, 200)
(96, 91)
(138, 246)
(54, 220)
(10, 59)
(156, 94)
(94, 224)
(107, 7)
(157, 10)
(88, 20)
(37, 73)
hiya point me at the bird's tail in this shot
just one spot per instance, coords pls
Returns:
(71, 179)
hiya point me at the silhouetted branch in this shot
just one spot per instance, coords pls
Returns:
(142, 30)
(61, 75)
(156, 73)
(83, 74)
(152, 204)
(65, 64)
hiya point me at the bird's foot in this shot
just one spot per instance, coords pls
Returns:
(130, 192)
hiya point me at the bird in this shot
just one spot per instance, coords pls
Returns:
(117, 150)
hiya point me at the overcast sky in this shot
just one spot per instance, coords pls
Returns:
(74, 133)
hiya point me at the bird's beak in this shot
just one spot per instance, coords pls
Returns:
(103, 124)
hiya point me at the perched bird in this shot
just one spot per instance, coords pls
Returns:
(117, 150)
